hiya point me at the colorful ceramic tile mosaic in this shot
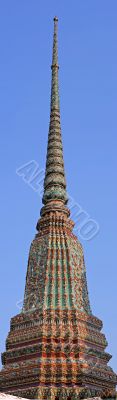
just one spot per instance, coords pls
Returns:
(55, 348)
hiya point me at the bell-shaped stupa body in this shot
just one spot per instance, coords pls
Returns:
(55, 348)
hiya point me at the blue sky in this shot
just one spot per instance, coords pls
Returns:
(88, 98)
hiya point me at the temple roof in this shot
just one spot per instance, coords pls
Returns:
(4, 396)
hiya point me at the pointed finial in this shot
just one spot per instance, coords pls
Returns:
(55, 67)
(55, 183)
(55, 45)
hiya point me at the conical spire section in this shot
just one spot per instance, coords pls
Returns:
(55, 68)
(55, 183)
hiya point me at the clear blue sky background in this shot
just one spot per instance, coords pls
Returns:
(88, 92)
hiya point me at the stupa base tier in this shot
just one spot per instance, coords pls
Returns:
(56, 354)
(63, 392)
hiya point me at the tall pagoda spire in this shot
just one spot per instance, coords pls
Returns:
(54, 183)
(55, 348)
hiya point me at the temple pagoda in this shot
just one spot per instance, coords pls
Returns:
(55, 348)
